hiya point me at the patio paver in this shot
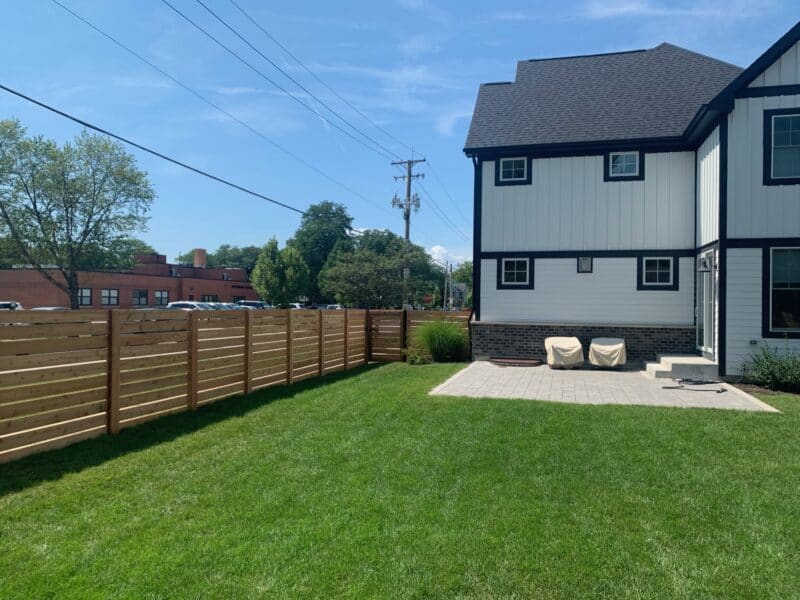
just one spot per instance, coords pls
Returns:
(591, 386)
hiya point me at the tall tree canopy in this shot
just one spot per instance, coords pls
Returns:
(369, 271)
(322, 226)
(228, 255)
(280, 276)
(68, 205)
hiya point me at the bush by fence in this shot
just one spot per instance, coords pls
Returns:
(73, 375)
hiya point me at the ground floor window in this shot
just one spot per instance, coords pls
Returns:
(85, 297)
(785, 289)
(109, 297)
(161, 297)
(515, 273)
(209, 298)
(140, 297)
(657, 273)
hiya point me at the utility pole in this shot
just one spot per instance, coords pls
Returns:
(406, 204)
(409, 201)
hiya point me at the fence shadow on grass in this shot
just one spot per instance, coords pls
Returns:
(54, 464)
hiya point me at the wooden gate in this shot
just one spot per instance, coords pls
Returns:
(386, 329)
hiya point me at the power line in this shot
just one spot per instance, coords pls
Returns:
(319, 79)
(447, 193)
(292, 79)
(443, 215)
(150, 150)
(214, 105)
(271, 81)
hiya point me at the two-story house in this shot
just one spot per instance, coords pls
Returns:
(652, 195)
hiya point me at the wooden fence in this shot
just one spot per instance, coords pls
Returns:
(72, 375)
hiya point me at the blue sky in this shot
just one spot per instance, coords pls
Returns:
(412, 66)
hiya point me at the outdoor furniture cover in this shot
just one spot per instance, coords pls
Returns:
(607, 352)
(563, 352)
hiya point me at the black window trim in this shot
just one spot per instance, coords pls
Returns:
(135, 298)
(766, 294)
(768, 179)
(659, 287)
(607, 176)
(156, 300)
(109, 296)
(80, 296)
(514, 286)
(528, 169)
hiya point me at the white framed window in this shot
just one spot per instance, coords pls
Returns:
(658, 271)
(786, 146)
(515, 271)
(784, 290)
(85, 297)
(109, 297)
(623, 164)
(513, 169)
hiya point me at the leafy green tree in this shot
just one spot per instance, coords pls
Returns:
(280, 276)
(463, 274)
(226, 255)
(64, 205)
(323, 226)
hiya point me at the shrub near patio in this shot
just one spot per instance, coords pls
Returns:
(440, 341)
(774, 370)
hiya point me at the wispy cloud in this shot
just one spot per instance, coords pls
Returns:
(605, 9)
(236, 90)
(421, 43)
(427, 9)
(442, 254)
(447, 121)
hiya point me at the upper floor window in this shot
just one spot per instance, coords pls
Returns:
(785, 290)
(782, 146)
(512, 171)
(109, 297)
(623, 166)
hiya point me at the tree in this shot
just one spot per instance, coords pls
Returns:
(368, 272)
(463, 274)
(322, 226)
(63, 205)
(280, 276)
(226, 255)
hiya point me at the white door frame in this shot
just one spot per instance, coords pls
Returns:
(706, 300)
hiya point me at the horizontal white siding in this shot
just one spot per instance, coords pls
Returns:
(756, 210)
(608, 295)
(568, 206)
(744, 309)
(784, 71)
(708, 189)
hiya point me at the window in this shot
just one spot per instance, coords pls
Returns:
(623, 166)
(140, 297)
(585, 264)
(109, 297)
(209, 298)
(226, 276)
(85, 297)
(161, 297)
(657, 273)
(239, 298)
(785, 290)
(782, 146)
(512, 171)
(515, 273)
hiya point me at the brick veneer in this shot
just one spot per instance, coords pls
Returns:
(526, 340)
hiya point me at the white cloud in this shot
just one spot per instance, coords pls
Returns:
(442, 254)
(420, 43)
(604, 9)
(446, 122)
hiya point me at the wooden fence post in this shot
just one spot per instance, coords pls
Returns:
(346, 342)
(367, 336)
(192, 349)
(248, 351)
(321, 363)
(114, 331)
(404, 334)
(289, 359)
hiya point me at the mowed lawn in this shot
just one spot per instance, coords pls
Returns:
(362, 485)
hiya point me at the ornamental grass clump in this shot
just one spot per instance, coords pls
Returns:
(774, 370)
(443, 341)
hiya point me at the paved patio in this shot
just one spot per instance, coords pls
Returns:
(590, 386)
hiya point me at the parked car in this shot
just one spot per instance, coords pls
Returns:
(257, 304)
(335, 307)
(50, 308)
(189, 305)
(296, 306)
(10, 305)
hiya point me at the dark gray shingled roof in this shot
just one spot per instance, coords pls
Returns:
(651, 93)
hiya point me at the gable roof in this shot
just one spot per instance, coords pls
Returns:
(642, 94)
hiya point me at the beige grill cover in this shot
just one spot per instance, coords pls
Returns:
(563, 351)
(607, 352)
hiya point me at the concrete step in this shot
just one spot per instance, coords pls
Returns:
(682, 367)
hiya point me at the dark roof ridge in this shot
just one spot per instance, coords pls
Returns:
(700, 54)
(585, 55)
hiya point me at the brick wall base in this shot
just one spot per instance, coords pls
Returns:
(526, 340)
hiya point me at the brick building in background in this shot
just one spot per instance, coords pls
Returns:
(151, 283)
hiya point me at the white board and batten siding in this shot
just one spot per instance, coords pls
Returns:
(784, 71)
(568, 206)
(744, 309)
(756, 210)
(606, 296)
(708, 155)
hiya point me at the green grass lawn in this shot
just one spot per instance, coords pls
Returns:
(362, 485)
